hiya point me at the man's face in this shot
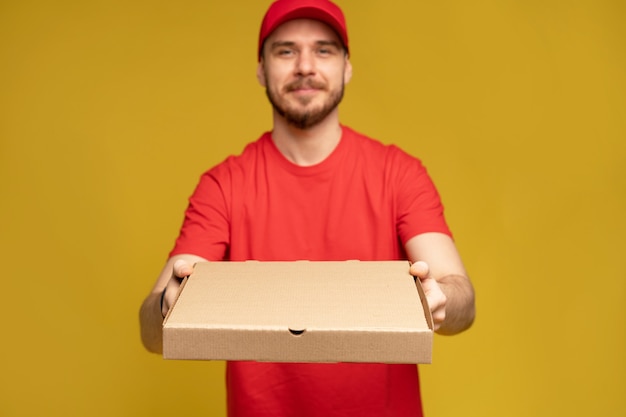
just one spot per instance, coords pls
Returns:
(304, 68)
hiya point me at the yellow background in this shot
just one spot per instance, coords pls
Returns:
(110, 111)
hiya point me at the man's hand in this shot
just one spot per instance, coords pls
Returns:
(164, 292)
(449, 292)
(434, 294)
(180, 270)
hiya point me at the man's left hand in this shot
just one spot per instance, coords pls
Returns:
(434, 294)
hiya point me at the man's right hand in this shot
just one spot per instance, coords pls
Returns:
(156, 305)
(180, 270)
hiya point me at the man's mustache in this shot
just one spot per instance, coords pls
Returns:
(305, 83)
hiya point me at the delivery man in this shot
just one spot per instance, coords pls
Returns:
(315, 189)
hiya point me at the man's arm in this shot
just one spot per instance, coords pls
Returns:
(152, 312)
(450, 294)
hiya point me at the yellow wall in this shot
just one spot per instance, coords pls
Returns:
(110, 110)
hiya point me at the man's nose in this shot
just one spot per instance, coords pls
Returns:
(305, 65)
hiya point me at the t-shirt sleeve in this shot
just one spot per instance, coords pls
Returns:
(419, 205)
(205, 229)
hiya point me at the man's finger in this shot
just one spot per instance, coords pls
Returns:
(182, 269)
(419, 269)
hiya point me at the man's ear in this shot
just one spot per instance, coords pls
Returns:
(260, 74)
(347, 71)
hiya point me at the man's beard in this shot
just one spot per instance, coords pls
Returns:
(304, 119)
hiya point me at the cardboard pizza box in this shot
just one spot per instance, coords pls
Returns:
(300, 311)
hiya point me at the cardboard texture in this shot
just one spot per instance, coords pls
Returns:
(300, 311)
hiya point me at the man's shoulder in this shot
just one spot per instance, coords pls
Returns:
(250, 151)
(253, 148)
(373, 146)
(238, 164)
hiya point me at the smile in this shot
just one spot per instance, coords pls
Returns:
(304, 90)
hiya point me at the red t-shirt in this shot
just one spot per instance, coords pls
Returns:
(362, 202)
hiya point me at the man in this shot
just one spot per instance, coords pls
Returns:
(315, 189)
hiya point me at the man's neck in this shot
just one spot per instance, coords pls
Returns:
(307, 147)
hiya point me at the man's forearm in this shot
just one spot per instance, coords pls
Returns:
(151, 323)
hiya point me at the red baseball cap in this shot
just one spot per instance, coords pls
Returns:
(323, 10)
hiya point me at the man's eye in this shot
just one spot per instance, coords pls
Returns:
(325, 51)
(285, 52)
